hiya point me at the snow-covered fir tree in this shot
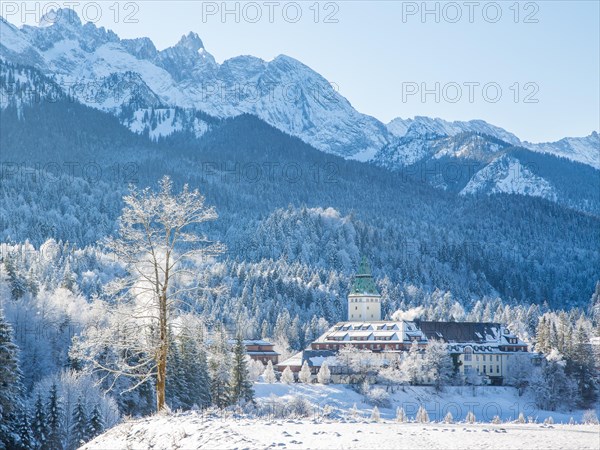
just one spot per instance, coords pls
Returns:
(287, 376)
(54, 415)
(95, 423)
(26, 441)
(11, 389)
(269, 373)
(241, 386)
(324, 374)
(39, 426)
(79, 425)
(304, 375)
(219, 367)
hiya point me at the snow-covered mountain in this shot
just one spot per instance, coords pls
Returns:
(583, 149)
(183, 88)
(421, 125)
(507, 175)
(283, 92)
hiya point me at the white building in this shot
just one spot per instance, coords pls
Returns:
(484, 349)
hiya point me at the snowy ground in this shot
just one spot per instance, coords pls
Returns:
(484, 401)
(340, 429)
(192, 431)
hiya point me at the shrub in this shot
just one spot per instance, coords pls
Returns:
(449, 418)
(470, 417)
(589, 417)
(378, 397)
(422, 415)
(400, 415)
(375, 416)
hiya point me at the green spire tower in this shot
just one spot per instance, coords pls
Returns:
(364, 301)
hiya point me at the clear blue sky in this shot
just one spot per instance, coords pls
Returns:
(372, 52)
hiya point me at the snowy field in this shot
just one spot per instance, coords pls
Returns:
(484, 401)
(331, 424)
(193, 431)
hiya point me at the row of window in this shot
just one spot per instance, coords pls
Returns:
(487, 370)
(469, 356)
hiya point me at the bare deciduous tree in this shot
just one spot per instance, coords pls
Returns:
(158, 243)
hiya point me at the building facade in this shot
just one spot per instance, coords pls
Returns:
(482, 349)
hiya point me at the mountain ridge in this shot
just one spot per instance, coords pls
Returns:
(284, 92)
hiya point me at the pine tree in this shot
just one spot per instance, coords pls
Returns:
(26, 440)
(79, 426)
(11, 389)
(304, 376)
(269, 374)
(220, 371)
(582, 365)
(96, 423)
(241, 386)
(198, 380)
(39, 425)
(54, 414)
(324, 374)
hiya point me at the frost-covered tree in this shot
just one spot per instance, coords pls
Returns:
(219, 367)
(449, 418)
(422, 415)
(305, 376)
(39, 426)
(269, 374)
(375, 415)
(54, 414)
(439, 363)
(11, 389)
(324, 374)
(287, 376)
(95, 423)
(583, 365)
(400, 415)
(470, 418)
(79, 425)
(412, 364)
(158, 241)
(241, 386)
(189, 381)
(26, 440)
(520, 368)
(550, 385)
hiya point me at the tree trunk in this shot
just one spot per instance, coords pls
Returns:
(161, 366)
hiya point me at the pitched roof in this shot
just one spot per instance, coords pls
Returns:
(461, 331)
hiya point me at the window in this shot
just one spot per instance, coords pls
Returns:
(483, 358)
(355, 308)
(498, 369)
(497, 358)
(484, 369)
(468, 354)
(491, 369)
